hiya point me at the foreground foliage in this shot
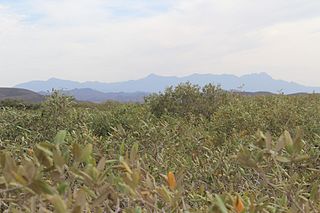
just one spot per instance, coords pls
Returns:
(189, 149)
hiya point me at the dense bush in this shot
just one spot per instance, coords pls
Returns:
(186, 99)
(208, 157)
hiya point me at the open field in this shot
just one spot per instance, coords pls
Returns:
(188, 149)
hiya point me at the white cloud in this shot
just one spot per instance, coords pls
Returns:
(110, 40)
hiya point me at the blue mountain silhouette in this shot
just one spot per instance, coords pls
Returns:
(155, 83)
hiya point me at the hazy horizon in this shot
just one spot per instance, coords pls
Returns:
(143, 77)
(119, 40)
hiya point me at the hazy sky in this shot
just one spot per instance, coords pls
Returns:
(113, 40)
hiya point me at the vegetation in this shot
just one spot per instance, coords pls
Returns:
(13, 103)
(189, 149)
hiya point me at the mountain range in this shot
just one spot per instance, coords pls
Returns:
(155, 83)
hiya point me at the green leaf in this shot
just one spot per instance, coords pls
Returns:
(41, 187)
(122, 149)
(9, 167)
(76, 151)
(101, 164)
(280, 144)
(86, 153)
(283, 159)
(29, 168)
(288, 141)
(165, 194)
(268, 141)
(298, 144)
(301, 158)
(138, 209)
(261, 139)
(44, 149)
(44, 156)
(62, 187)
(134, 152)
(58, 160)
(221, 204)
(19, 178)
(59, 138)
(245, 159)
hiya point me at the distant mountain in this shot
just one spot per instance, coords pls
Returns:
(155, 83)
(20, 94)
(91, 95)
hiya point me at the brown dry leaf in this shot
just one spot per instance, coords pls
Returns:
(171, 181)
(239, 206)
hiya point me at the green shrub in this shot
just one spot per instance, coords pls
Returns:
(187, 99)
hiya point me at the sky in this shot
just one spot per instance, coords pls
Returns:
(117, 40)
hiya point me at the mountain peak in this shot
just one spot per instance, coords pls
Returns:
(264, 74)
(54, 79)
(156, 83)
(152, 75)
(258, 76)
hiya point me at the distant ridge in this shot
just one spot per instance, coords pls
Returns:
(155, 83)
(20, 94)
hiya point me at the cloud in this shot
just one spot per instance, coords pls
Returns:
(112, 40)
